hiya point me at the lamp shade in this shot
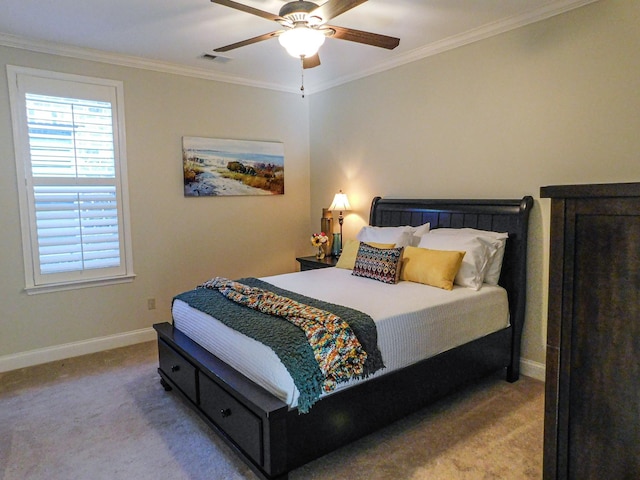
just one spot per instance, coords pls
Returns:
(340, 202)
(302, 41)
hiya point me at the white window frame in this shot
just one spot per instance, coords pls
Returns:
(24, 80)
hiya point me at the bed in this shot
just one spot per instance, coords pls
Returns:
(264, 425)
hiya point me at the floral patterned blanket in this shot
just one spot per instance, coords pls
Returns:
(320, 344)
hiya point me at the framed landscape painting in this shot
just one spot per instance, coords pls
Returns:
(216, 167)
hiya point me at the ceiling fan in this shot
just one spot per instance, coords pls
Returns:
(304, 28)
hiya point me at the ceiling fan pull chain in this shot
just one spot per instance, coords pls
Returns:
(302, 76)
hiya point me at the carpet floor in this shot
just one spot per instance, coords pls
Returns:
(105, 416)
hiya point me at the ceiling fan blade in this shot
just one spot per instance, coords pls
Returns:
(249, 41)
(368, 38)
(333, 8)
(247, 9)
(311, 62)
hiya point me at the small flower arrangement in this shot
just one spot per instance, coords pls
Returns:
(319, 239)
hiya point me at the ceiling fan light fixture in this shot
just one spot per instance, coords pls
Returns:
(302, 41)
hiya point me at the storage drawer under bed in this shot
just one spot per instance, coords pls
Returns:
(248, 418)
(241, 425)
(179, 370)
(238, 422)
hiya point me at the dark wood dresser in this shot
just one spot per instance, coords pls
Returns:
(592, 405)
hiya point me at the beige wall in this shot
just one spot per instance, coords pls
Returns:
(177, 241)
(555, 102)
(552, 103)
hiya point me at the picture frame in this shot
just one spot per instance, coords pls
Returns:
(225, 167)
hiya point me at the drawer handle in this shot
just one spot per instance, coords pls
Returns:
(175, 368)
(225, 412)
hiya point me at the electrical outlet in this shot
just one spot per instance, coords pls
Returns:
(151, 303)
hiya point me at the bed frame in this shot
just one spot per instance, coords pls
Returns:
(274, 440)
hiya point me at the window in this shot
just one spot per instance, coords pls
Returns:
(71, 169)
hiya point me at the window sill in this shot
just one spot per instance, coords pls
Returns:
(60, 287)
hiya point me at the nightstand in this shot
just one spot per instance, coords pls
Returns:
(313, 263)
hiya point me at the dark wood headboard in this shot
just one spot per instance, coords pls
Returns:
(511, 216)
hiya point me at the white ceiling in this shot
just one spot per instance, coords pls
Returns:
(172, 35)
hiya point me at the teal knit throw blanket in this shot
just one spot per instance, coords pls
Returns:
(285, 339)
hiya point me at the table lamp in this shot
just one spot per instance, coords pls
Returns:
(341, 204)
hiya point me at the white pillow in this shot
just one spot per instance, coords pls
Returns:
(496, 242)
(420, 230)
(401, 236)
(475, 261)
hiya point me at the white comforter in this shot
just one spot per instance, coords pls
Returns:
(414, 322)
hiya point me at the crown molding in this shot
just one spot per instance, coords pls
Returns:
(486, 31)
(471, 36)
(93, 55)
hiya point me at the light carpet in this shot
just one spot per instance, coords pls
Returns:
(105, 416)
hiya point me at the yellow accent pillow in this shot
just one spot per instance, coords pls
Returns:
(350, 252)
(437, 268)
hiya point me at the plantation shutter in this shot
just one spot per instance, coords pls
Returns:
(71, 144)
(72, 164)
(77, 228)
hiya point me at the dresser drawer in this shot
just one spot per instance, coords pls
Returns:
(242, 425)
(178, 370)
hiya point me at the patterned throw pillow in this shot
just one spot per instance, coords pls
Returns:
(382, 264)
(350, 252)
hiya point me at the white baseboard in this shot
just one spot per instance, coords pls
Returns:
(59, 352)
(532, 369)
(74, 349)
